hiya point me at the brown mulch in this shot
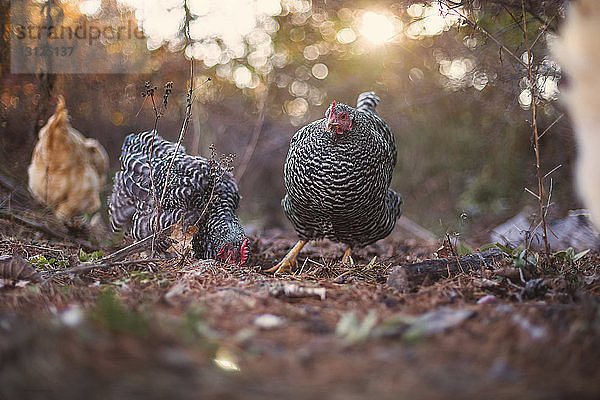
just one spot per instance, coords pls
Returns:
(188, 329)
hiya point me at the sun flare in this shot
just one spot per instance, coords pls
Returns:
(377, 28)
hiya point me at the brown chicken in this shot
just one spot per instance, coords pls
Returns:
(67, 170)
(578, 51)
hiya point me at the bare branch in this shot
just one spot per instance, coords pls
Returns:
(262, 105)
(484, 31)
(536, 137)
(552, 170)
(50, 232)
(552, 124)
(85, 267)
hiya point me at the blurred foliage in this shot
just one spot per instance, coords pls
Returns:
(113, 315)
(456, 100)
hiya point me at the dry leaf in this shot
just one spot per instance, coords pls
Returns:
(181, 238)
(445, 251)
(16, 268)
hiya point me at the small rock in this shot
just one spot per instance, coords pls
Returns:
(352, 330)
(176, 291)
(504, 308)
(72, 316)
(487, 299)
(176, 357)
(436, 321)
(575, 230)
(591, 279)
(501, 370)
(268, 321)
(536, 332)
(534, 288)
(485, 283)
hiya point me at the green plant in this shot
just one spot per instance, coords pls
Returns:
(143, 277)
(569, 256)
(521, 257)
(112, 314)
(90, 257)
(148, 277)
(40, 261)
(352, 330)
(194, 329)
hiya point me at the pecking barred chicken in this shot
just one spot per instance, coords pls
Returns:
(199, 193)
(337, 175)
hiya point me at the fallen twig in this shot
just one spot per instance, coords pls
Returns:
(293, 290)
(16, 191)
(407, 277)
(50, 232)
(135, 247)
(85, 267)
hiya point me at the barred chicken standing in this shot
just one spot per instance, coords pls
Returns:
(199, 192)
(337, 175)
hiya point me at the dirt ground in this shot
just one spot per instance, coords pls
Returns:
(194, 329)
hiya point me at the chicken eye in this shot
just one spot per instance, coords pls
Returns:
(343, 116)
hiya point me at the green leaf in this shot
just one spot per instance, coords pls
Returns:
(486, 247)
(505, 249)
(580, 254)
(352, 330)
(464, 249)
(90, 257)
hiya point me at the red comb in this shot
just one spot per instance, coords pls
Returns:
(332, 116)
(244, 252)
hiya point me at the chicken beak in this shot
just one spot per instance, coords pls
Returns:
(331, 125)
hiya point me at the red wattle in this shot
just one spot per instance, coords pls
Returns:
(244, 251)
(221, 252)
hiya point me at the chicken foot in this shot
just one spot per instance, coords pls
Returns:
(289, 262)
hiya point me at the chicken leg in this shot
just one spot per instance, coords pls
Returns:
(289, 261)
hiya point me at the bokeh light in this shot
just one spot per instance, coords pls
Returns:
(432, 19)
(242, 77)
(226, 360)
(377, 28)
(525, 99)
(345, 36)
(222, 32)
(297, 107)
(311, 52)
(320, 71)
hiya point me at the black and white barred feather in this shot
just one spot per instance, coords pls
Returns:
(338, 184)
(191, 183)
(367, 101)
